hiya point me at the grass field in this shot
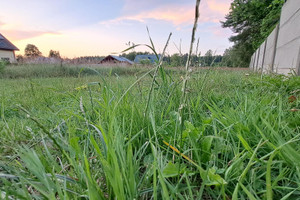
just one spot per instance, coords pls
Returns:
(92, 137)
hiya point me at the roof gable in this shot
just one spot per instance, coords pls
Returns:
(117, 58)
(122, 59)
(6, 44)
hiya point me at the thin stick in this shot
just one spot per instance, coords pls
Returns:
(187, 66)
(183, 99)
(155, 73)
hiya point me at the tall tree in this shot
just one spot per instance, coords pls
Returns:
(54, 54)
(208, 57)
(251, 21)
(32, 51)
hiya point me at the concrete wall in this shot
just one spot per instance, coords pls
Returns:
(260, 62)
(280, 52)
(7, 54)
(270, 50)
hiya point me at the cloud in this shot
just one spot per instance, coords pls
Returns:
(220, 6)
(177, 14)
(16, 32)
(22, 35)
(220, 32)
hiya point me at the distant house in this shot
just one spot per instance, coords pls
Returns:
(116, 60)
(7, 50)
(151, 58)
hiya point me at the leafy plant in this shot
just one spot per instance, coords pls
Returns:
(3, 64)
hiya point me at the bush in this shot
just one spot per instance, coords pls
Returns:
(2, 65)
(146, 62)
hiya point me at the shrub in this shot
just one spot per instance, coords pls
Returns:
(145, 62)
(3, 64)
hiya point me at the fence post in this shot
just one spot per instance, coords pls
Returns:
(263, 59)
(298, 64)
(254, 59)
(257, 59)
(275, 46)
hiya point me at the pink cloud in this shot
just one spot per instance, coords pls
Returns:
(21, 34)
(18, 34)
(177, 14)
(173, 14)
(220, 6)
(220, 32)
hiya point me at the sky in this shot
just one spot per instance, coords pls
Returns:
(100, 27)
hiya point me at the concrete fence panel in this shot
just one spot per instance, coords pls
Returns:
(256, 59)
(288, 38)
(270, 50)
(281, 50)
(251, 62)
(261, 56)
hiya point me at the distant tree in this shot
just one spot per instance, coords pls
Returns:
(195, 60)
(54, 54)
(146, 62)
(227, 60)
(208, 57)
(32, 51)
(20, 58)
(176, 60)
(130, 55)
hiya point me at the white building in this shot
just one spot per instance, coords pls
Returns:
(7, 50)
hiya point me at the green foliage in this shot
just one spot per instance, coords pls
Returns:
(272, 18)
(176, 60)
(146, 62)
(50, 70)
(54, 54)
(131, 55)
(32, 51)
(227, 60)
(2, 65)
(252, 22)
(208, 58)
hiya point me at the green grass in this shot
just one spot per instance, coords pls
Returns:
(51, 70)
(88, 137)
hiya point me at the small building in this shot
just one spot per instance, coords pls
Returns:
(7, 50)
(116, 60)
(141, 58)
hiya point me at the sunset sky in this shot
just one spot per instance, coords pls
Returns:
(100, 27)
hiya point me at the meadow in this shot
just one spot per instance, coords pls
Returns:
(105, 134)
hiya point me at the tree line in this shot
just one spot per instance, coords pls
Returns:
(177, 59)
(32, 52)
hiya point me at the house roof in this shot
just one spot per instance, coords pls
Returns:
(6, 44)
(152, 58)
(122, 59)
(118, 58)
